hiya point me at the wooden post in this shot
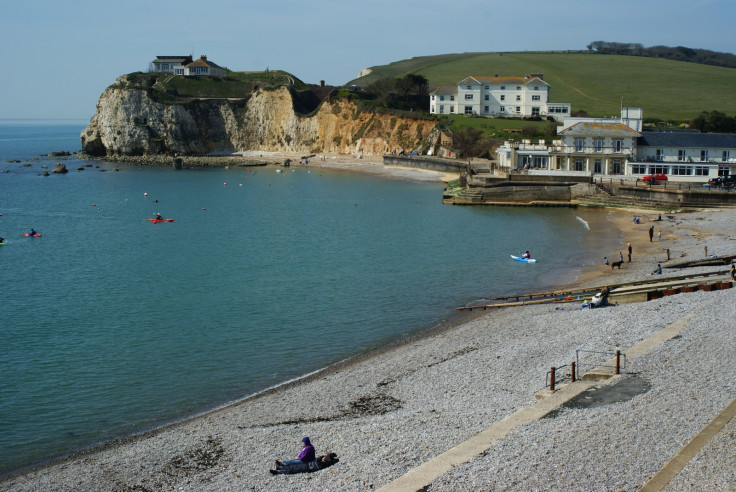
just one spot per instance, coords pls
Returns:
(705, 251)
(552, 379)
(572, 371)
(618, 362)
(668, 254)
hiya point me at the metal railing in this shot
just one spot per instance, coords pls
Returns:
(617, 367)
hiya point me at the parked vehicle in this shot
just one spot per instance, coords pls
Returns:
(654, 177)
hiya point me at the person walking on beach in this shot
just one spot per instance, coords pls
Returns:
(732, 271)
(651, 233)
(605, 260)
(620, 257)
(628, 251)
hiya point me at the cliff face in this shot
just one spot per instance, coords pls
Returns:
(129, 122)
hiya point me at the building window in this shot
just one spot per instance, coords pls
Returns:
(503, 87)
(659, 156)
(579, 144)
(618, 145)
(433, 97)
(579, 165)
(682, 170)
(535, 110)
(536, 88)
(518, 97)
(598, 144)
(701, 171)
(617, 166)
(536, 97)
(485, 109)
(540, 161)
(487, 97)
(432, 110)
(703, 156)
(442, 109)
(452, 98)
(468, 109)
(503, 109)
(598, 166)
(681, 155)
(488, 87)
(726, 155)
(659, 169)
(442, 98)
(518, 87)
(468, 97)
(638, 169)
(503, 97)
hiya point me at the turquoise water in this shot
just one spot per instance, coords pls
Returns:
(112, 324)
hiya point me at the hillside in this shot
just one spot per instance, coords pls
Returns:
(596, 83)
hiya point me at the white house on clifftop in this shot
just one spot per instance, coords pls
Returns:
(184, 65)
(498, 96)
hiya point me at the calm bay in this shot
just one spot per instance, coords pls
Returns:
(112, 325)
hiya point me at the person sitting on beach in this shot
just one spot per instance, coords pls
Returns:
(306, 455)
(658, 270)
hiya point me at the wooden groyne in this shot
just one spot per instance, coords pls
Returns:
(639, 291)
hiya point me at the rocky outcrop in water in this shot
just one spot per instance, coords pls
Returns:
(129, 122)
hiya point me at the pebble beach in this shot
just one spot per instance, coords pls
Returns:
(394, 409)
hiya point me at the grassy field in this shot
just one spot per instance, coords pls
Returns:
(598, 84)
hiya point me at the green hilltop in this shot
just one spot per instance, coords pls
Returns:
(596, 83)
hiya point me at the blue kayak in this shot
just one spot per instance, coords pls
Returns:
(525, 260)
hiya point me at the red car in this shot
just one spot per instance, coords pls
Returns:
(655, 177)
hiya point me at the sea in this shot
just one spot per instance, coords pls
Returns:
(111, 325)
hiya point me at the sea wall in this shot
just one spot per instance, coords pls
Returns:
(425, 162)
(129, 122)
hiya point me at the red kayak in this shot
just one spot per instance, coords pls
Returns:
(28, 235)
(160, 220)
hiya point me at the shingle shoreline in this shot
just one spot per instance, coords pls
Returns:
(395, 410)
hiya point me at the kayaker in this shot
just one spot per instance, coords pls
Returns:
(33, 232)
(526, 255)
(158, 217)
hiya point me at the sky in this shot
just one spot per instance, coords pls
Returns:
(60, 56)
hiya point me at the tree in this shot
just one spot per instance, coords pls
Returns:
(466, 142)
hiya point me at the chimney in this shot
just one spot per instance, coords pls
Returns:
(321, 83)
(204, 57)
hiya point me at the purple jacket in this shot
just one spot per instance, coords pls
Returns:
(307, 454)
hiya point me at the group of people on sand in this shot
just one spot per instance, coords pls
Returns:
(307, 461)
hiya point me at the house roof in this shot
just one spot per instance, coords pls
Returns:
(687, 139)
(204, 62)
(445, 90)
(160, 58)
(591, 129)
(496, 80)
